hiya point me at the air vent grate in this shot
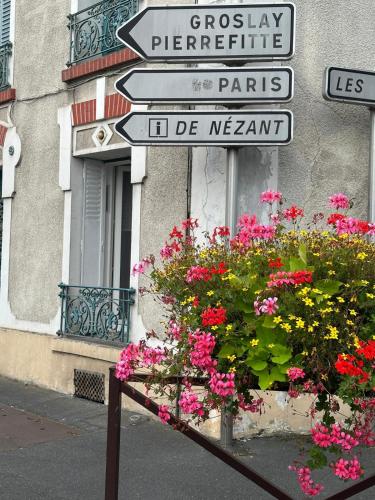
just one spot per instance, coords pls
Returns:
(89, 385)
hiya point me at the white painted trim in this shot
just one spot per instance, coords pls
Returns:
(73, 6)
(100, 97)
(65, 152)
(65, 267)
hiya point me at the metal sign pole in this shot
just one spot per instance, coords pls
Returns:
(231, 190)
(372, 167)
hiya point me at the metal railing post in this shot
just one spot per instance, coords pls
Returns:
(113, 437)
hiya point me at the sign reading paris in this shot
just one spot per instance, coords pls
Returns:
(212, 32)
(211, 128)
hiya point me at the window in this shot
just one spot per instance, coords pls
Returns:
(5, 45)
(5, 21)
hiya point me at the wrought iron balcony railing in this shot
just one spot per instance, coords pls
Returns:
(5, 53)
(96, 312)
(93, 30)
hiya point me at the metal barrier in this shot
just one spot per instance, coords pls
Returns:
(96, 312)
(117, 388)
(93, 30)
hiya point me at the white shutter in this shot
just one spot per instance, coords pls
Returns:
(5, 21)
(93, 229)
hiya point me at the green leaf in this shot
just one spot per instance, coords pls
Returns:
(268, 322)
(257, 364)
(318, 459)
(302, 252)
(266, 335)
(296, 264)
(328, 286)
(227, 350)
(267, 378)
(281, 354)
(240, 305)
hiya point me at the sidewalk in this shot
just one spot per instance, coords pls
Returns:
(54, 449)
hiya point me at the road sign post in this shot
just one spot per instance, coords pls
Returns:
(212, 32)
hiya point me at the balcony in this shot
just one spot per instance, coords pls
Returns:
(5, 53)
(93, 30)
(96, 313)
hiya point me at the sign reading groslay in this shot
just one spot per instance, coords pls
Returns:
(212, 32)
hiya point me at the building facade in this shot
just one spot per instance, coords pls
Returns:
(80, 206)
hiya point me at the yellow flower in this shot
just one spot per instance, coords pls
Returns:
(326, 296)
(231, 358)
(361, 255)
(331, 272)
(317, 291)
(308, 302)
(310, 328)
(300, 323)
(324, 376)
(356, 342)
(245, 289)
(277, 319)
(365, 283)
(316, 254)
(341, 300)
(286, 327)
(229, 327)
(232, 369)
(190, 299)
(304, 353)
(254, 342)
(291, 317)
(214, 327)
(349, 322)
(370, 295)
(210, 293)
(352, 312)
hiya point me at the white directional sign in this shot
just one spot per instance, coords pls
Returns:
(349, 85)
(224, 85)
(211, 128)
(212, 32)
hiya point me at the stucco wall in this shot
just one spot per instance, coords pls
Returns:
(330, 151)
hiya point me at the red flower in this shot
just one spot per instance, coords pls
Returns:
(195, 302)
(367, 350)
(214, 316)
(175, 233)
(333, 218)
(275, 263)
(293, 212)
(221, 269)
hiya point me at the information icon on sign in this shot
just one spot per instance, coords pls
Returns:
(158, 127)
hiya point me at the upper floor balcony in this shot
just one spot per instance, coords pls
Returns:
(5, 53)
(93, 30)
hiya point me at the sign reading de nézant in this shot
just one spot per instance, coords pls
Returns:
(219, 85)
(212, 32)
(349, 85)
(211, 128)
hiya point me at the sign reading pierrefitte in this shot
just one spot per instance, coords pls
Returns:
(206, 128)
(249, 85)
(349, 85)
(212, 32)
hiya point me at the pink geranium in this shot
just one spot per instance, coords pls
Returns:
(270, 196)
(339, 200)
(295, 373)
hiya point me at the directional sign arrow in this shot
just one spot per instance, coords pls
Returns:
(349, 85)
(250, 85)
(211, 128)
(212, 32)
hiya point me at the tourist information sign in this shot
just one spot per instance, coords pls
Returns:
(349, 85)
(219, 85)
(212, 32)
(207, 128)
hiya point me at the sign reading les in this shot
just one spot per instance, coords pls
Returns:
(212, 32)
(349, 85)
(211, 128)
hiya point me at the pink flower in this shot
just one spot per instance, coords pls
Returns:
(164, 414)
(270, 196)
(189, 403)
(339, 200)
(166, 252)
(269, 306)
(348, 469)
(190, 223)
(174, 330)
(321, 436)
(222, 384)
(307, 485)
(203, 345)
(198, 273)
(253, 407)
(295, 373)
(141, 267)
(152, 356)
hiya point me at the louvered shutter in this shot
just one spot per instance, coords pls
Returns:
(5, 21)
(93, 229)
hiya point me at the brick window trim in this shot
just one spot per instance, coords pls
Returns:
(84, 113)
(7, 95)
(102, 63)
